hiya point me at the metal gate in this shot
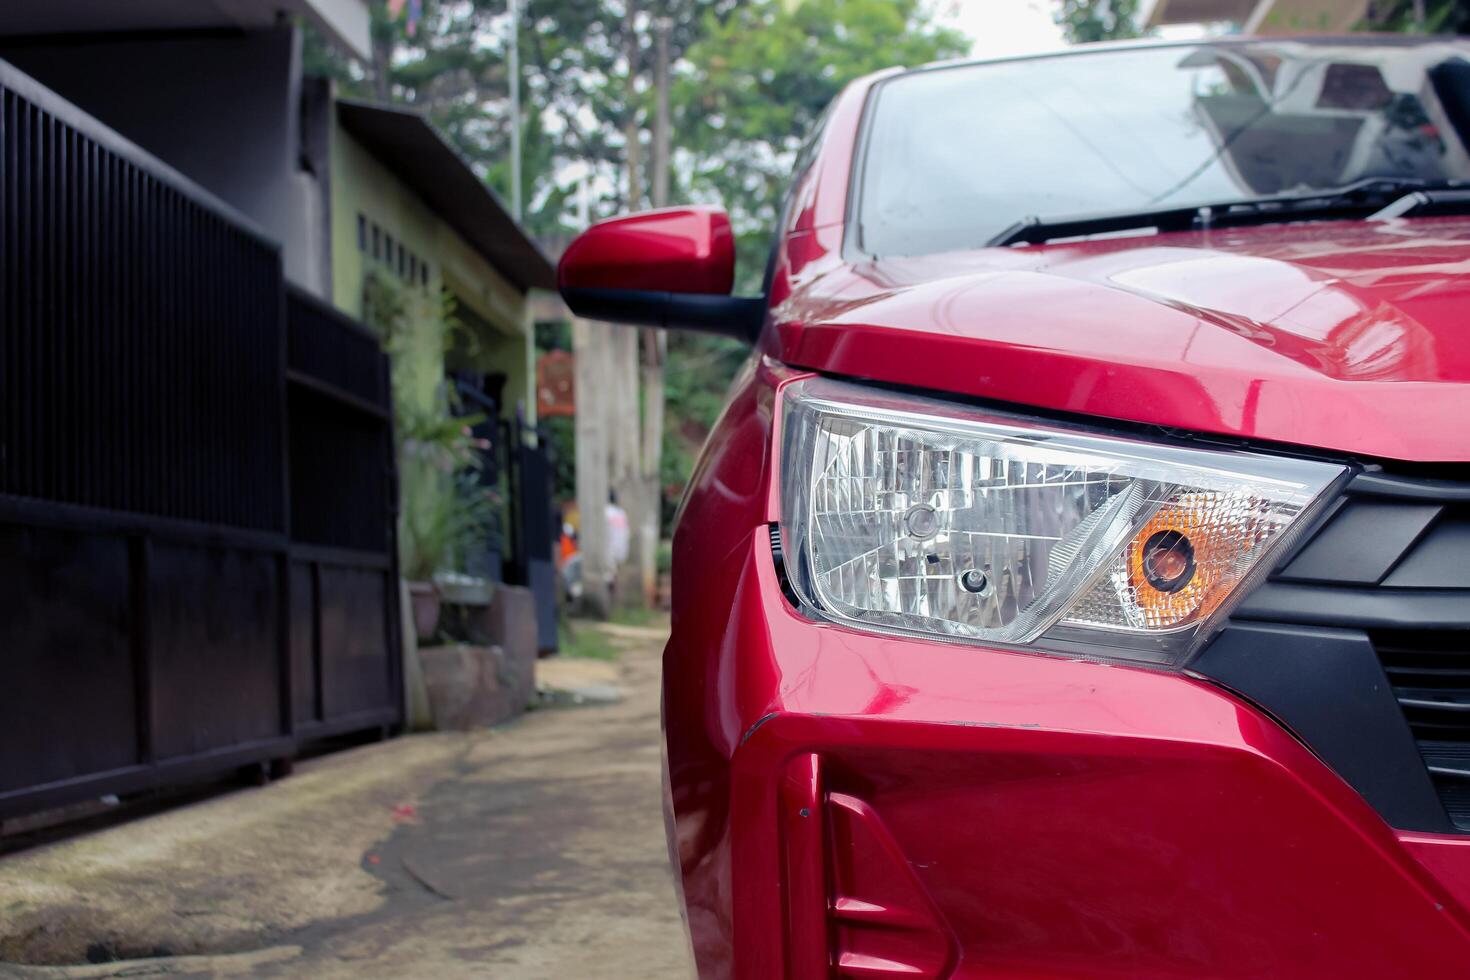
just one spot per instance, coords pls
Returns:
(196, 480)
(537, 525)
(518, 464)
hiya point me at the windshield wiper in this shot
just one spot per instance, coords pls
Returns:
(1426, 203)
(1372, 197)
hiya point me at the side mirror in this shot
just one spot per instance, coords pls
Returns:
(672, 268)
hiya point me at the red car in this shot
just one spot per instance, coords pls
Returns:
(1078, 581)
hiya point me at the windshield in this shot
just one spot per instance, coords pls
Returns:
(956, 155)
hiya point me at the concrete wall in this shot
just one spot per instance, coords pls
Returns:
(495, 311)
(224, 109)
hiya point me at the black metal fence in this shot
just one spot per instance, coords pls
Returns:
(344, 600)
(196, 480)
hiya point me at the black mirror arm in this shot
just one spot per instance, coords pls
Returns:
(740, 317)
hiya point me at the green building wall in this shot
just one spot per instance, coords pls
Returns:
(494, 312)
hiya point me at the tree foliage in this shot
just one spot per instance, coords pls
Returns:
(1418, 16)
(747, 96)
(749, 80)
(756, 82)
(585, 67)
(1083, 21)
(453, 67)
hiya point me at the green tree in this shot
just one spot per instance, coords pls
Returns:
(748, 79)
(756, 82)
(453, 67)
(748, 94)
(1083, 21)
(588, 95)
(697, 377)
(1417, 16)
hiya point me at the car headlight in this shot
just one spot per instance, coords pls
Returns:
(906, 514)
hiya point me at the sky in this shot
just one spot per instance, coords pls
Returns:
(1002, 27)
(1007, 27)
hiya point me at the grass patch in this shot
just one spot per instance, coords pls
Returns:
(586, 641)
(634, 616)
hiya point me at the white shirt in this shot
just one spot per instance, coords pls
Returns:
(619, 535)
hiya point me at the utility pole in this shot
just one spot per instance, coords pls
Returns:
(662, 129)
(632, 144)
(654, 343)
(625, 460)
(382, 63)
(514, 58)
(590, 347)
(624, 457)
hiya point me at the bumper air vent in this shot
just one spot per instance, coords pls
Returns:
(1429, 672)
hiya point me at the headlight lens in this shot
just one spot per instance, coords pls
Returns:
(918, 516)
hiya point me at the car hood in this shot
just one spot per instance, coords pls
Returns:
(1347, 336)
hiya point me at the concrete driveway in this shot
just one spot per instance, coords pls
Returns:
(535, 850)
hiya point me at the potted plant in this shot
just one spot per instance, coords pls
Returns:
(443, 512)
(470, 515)
(436, 448)
(423, 531)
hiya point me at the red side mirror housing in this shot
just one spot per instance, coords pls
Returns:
(673, 250)
(672, 268)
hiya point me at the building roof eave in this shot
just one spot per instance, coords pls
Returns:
(417, 154)
(346, 23)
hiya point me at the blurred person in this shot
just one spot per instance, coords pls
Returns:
(619, 538)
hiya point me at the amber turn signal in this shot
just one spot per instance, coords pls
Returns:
(1168, 561)
(1176, 561)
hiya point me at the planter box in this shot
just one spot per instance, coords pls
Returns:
(471, 686)
(464, 590)
(425, 605)
(468, 687)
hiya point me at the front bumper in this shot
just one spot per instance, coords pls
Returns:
(873, 806)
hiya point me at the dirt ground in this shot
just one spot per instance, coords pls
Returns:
(534, 850)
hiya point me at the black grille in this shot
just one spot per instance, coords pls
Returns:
(1379, 592)
(1430, 675)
